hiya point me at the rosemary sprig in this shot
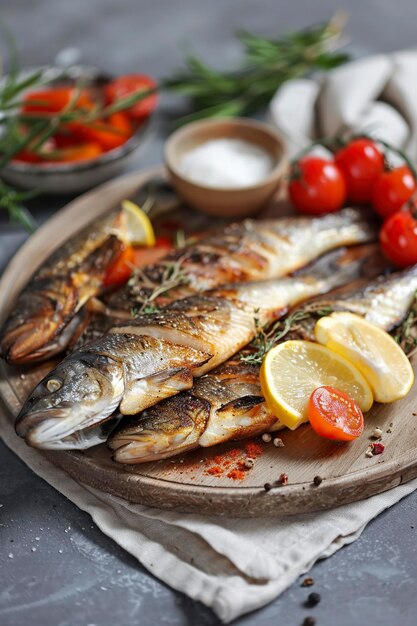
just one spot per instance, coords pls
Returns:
(266, 65)
(267, 339)
(147, 291)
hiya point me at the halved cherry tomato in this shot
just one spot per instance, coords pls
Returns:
(121, 270)
(361, 162)
(110, 134)
(132, 83)
(398, 238)
(54, 100)
(317, 186)
(334, 415)
(65, 139)
(26, 156)
(80, 152)
(392, 189)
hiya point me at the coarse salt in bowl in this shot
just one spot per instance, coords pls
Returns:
(227, 167)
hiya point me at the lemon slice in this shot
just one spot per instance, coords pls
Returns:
(375, 353)
(292, 370)
(138, 225)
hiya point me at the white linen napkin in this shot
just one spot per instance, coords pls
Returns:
(376, 95)
(231, 565)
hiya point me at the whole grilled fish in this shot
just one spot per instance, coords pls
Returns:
(155, 356)
(227, 404)
(47, 312)
(245, 251)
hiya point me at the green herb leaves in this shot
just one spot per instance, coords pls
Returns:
(267, 64)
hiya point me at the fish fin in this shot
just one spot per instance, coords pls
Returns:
(144, 392)
(241, 405)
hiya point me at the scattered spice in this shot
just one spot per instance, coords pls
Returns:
(309, 621)
(278, 443)
(377, 433)
(283, 479)
(236, 474)
(313, 599)
(235, 462)
(307, 582)
(266, 437)
(377, 448)
(215, 470)
(415, 414)
(253, 449)
(267, 486)
(317, 480)
(369, 453)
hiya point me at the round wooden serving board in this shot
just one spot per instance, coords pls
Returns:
(183, 483)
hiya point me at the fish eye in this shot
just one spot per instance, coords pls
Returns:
(53, 384)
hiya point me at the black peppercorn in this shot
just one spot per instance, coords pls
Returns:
(309, 621)
(313, 598)
(267, 486)
(317, 480)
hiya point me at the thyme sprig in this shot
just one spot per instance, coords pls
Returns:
(267, 339)
(406, 333)
(147, 291)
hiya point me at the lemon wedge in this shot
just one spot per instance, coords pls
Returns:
(292, 370)
(138, 225)
(373, 351)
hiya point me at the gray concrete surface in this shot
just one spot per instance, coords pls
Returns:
(56, 567)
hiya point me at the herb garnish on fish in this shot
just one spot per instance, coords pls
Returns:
(266, 339)
(173, 276)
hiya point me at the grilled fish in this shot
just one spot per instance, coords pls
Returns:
(227, 404)
(48, 311)
(156, 356)
(241, 252)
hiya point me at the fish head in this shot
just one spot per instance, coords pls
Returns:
(172, 427)
(82, 391)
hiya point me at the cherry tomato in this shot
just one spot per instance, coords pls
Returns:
(26, 156)
(392, 189)
(110, 134)
(81, 152)
(361, 162)
(317, 186)
(65, 139)
(53, 100)
(398, 239)
(120, 271)
(147, 256)
(132, 83)
(334, 415)
(130, 257)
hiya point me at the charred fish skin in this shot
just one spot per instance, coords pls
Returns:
(237, 408)
(47, 311)
(161, 354)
